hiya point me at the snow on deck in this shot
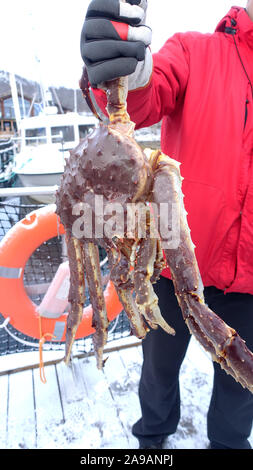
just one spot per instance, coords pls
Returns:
(83, 408)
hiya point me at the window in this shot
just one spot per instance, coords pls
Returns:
(84, 130)
(37, 108)
(24, 107)
(36, 136)
(67, 133)
(9, 109)
(7, 126)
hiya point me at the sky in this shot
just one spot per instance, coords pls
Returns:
(40, 40)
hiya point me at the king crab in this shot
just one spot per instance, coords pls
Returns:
(110, 164)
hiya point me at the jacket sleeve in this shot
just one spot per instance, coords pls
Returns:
(166, 88)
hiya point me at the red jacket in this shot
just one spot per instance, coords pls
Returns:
(201, 92)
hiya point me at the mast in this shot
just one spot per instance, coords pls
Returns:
(14, 94)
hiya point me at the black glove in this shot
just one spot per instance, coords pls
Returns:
(113, 40)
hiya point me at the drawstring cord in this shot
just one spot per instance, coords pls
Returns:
(243, 66)
(232, 31)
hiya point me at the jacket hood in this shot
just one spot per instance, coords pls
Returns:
(238, 19)
(226, 20)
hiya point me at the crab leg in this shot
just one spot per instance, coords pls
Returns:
(177, 241)
(121, 277)
(195, 329)
(146, 299)
(224, 344)
(228, 348)
(99, 319)
(139, 329)
(159, 263)
(76, 292)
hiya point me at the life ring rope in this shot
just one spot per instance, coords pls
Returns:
(43, 338)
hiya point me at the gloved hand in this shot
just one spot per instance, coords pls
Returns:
(114, 42)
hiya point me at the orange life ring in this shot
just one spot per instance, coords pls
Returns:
(15, 249)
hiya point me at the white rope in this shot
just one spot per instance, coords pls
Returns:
(114, 326)
(117, 319)
(103, 262)
(22, 341)
(27, 343)
(5, 322)
(36, 345)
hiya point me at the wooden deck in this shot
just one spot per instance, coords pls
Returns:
(81, 407)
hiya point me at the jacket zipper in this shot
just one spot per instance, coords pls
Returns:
(233, 31)
(246, 112)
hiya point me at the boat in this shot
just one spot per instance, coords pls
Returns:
(45, 142)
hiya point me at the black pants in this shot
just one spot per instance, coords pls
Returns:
(230, 414)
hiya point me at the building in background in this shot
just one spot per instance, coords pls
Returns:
(31, 101)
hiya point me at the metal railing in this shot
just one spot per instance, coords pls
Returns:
(25, 191)
(7, 146)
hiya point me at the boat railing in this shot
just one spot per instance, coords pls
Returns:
(11, 143)
(7, 146)
(28, 191)
(39, 137)
(8, 150)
